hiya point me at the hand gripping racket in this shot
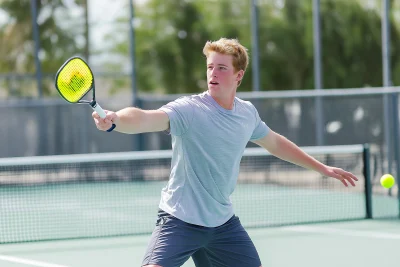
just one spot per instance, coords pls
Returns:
(74, 80)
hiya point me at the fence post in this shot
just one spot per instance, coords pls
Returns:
(137, 138)
(396, 136)
(386, 81)
(318, 84)
(255, 59)
(367, 177)
(35, 30)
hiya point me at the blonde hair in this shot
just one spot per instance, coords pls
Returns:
(229, 47)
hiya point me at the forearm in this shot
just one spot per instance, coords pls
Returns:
(129, 120)
(282, 148)
(288, 151)
(133, 120)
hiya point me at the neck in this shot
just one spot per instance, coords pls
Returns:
(224, 101)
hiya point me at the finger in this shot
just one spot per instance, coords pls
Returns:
(101, 124)
(345, 178)
(350, 180)
(95, 115)
(112, 116)
(344, 182)
(354, 177)
(347, 174)
(102, 121)
(340, 177)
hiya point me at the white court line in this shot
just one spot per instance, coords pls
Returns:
(29, 262)
(343, 232)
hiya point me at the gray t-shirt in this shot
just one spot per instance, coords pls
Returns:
(208, 142)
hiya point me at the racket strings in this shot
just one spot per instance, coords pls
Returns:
(74, 80)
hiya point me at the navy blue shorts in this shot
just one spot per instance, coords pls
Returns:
(174, 241)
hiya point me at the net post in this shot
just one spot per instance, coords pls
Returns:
(396, 142)
(367, 177)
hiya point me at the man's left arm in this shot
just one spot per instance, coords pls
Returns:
(284, 149)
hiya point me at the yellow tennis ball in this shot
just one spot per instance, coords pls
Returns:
(387, 180)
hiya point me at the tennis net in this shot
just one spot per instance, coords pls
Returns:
(112, 194)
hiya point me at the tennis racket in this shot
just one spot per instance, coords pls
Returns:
(74, 80)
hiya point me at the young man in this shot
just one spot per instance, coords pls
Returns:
(209, 134)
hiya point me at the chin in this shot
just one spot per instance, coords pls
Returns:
(213, 91)
(213, 88)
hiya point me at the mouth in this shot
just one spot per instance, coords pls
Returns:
(213, 83)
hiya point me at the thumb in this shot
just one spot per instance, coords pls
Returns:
(112, 116)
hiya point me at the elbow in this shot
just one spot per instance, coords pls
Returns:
(274, 144)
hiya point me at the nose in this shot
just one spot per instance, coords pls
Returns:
(213, 73)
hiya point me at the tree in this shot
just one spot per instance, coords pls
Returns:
(170, 37)
(57, 40)
(351, 45)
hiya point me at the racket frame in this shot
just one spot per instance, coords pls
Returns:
(95, 106)
(92, 86)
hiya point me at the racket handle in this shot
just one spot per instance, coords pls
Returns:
(96, 107)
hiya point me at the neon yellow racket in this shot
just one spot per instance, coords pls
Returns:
(74, 80)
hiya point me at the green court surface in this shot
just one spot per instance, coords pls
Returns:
(325, 224)
(367, 243)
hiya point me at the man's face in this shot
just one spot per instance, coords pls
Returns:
(222, 78)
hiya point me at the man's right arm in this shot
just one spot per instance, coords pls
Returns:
(133, 120)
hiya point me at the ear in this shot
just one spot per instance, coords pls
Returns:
(239, 75)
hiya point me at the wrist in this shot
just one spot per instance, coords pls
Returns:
(322, 168)
(112, 128)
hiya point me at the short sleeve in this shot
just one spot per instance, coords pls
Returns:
(180, 113)
(261, 129)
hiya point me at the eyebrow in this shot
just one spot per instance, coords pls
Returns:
(217, 64)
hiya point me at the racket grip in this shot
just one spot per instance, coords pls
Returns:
(96, 107)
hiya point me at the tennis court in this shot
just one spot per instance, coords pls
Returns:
(99, 210)
(366, 243)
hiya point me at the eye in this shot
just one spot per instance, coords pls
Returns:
(209, 67)
(222, 68)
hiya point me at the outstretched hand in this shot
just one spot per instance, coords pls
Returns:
(340, 174)
(107, 122)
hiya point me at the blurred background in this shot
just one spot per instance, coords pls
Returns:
(321, 71)
(144, 52)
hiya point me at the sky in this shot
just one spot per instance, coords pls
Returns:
(3, 17)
